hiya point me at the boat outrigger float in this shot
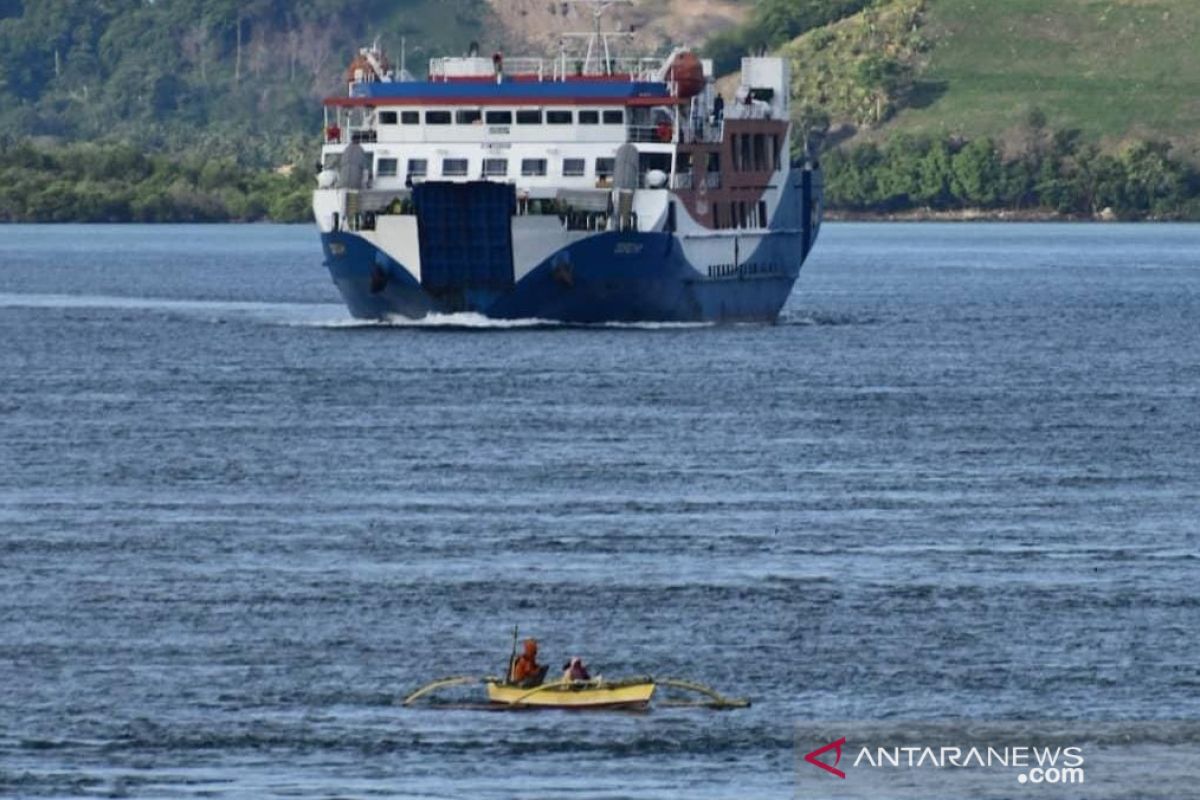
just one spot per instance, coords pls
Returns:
(596, 693)
(525, 687)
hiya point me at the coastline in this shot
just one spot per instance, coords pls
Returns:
(977, 215)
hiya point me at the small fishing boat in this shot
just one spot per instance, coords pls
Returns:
(599, 693)
(584, 692)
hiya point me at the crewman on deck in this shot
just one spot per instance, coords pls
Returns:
(526, 671)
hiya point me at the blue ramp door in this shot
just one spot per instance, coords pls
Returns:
(466, 242)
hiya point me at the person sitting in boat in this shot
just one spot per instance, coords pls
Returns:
(526, 671)
(575, 670)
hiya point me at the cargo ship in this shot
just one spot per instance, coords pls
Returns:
(583, 187)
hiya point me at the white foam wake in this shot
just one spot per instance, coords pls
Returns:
(319, 315)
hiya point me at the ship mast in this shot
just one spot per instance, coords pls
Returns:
(597, 38)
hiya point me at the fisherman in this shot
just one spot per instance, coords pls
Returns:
(575, 670)
(526, 671)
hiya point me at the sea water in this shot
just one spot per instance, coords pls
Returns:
(959, 478)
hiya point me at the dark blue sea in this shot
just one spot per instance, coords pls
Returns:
(959, 478)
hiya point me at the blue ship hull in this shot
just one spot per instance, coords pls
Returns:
(608, 277)
(464, 254)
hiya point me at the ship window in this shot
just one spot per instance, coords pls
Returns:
(387, 117)
(386, 167)
(499, 118)
(605, 167)
(775, 152)
(529, 116)
(533, 166)
(454, 167)
(760, 151)
(762, 214)
(614, 117)
(558, 117)
(437, 117)
(744, 152)
(589, 117)
(410, 117)
(574, 167)
(714, 162)
(495, 167)
(418, 167)
(468, 116)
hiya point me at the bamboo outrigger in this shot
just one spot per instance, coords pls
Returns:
(591, 693)
(598, 693)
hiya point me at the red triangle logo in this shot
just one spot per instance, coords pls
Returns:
(813, 759)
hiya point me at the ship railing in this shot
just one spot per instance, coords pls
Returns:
(649, 133)
(526, 66)
(682, 180)
(712, 180)
(556, 69)
(704, 132)
(446, 67)
(631, 67)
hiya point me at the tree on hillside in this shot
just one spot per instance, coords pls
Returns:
(977, 174)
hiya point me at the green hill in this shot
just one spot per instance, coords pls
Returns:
(1086, 108)
(1112, 69)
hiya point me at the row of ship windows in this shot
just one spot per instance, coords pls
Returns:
(740, 214)
(494, 167)
(527, 116)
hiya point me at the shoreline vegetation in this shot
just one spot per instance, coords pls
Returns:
(1059, 177)
(85, 182)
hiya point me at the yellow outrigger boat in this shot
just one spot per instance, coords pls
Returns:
(598, 693)
(631, 693)
(593, 693)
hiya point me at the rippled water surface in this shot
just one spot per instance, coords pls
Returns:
(958, 479)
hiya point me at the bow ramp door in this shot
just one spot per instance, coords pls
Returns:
(466, 241)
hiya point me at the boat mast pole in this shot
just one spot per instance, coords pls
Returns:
(512, 657)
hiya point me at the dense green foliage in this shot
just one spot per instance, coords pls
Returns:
(120, 183)
(1059, 173)
(773, 23)
(226, 78)
(190, 105)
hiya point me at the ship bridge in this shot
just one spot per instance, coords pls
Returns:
(540, 127)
